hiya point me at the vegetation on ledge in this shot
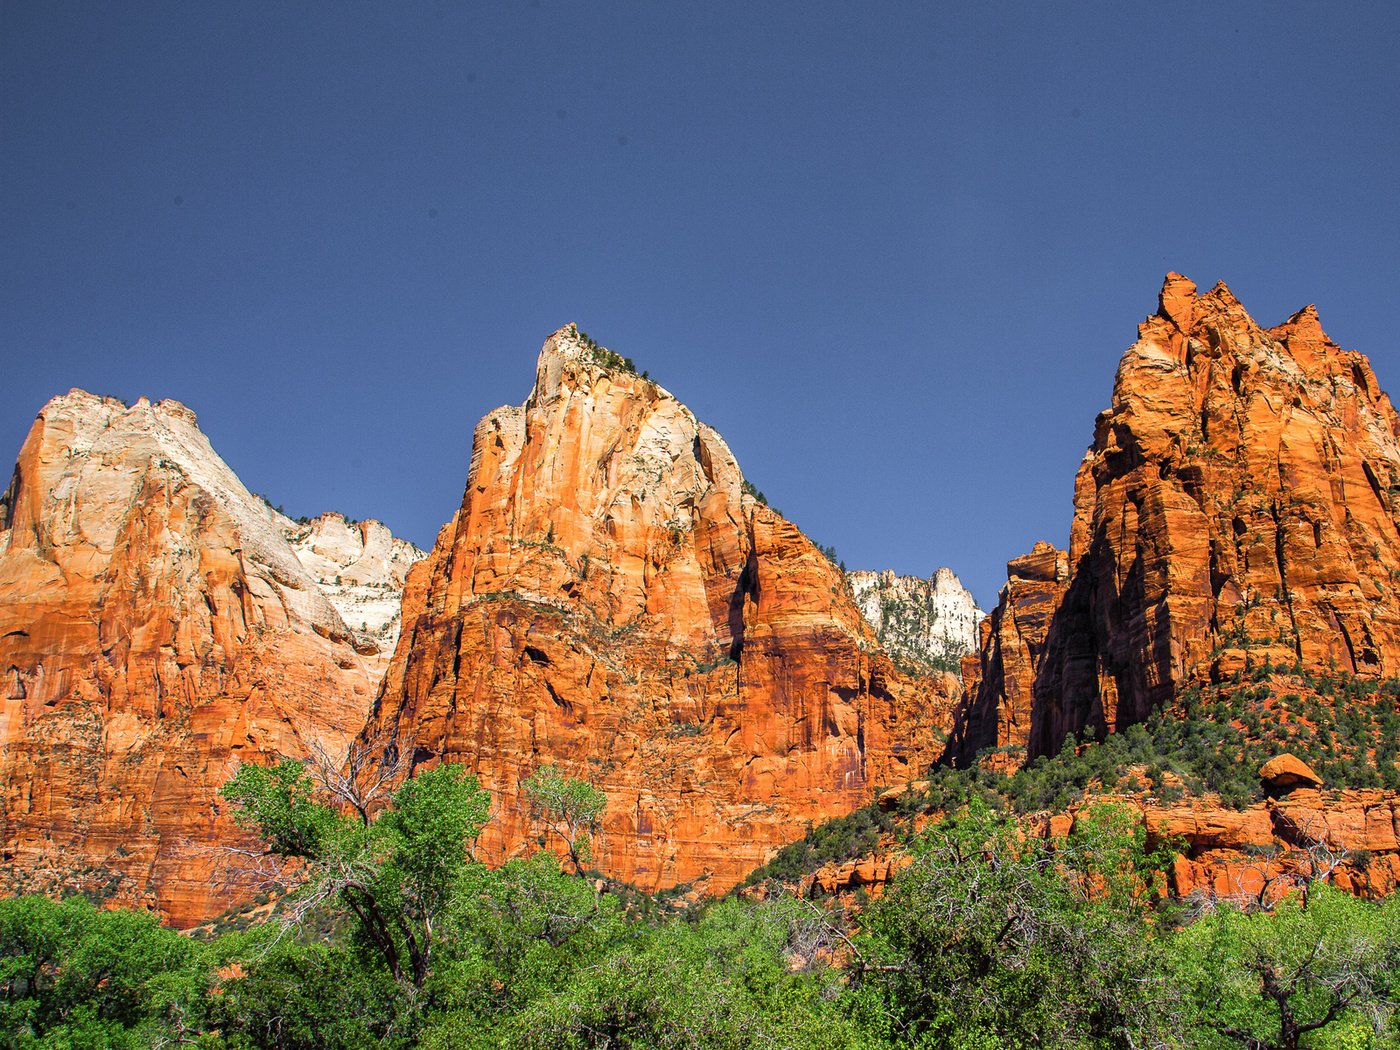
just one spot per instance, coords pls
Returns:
(601, 355)
(1213, 741)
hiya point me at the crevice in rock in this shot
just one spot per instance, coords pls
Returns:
(559, 701)
(8, 498)
(1375, 485)
(744, 588)
(1284, 591)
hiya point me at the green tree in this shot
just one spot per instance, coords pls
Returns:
(396, 873)
(297, 996)
(72, 975)
(522, 931)
(722, 981)
(1316, 964)
(568, 807)
(992, 937)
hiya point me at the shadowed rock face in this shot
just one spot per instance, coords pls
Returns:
(1241, 492)
(156, 629)
(609, 600)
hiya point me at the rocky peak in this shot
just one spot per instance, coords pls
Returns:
(924, 624)
(609, 600)
(655, 470)
(156, 629)
(1177, 301)
(1239, 494)
(570, 357)
(102, 449)
(1045, 562)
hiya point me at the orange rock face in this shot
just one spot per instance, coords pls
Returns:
(1347, 838)
(155, 630)
(609, 600)
(1240, 496)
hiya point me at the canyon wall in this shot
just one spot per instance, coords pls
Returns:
(613, 601)
(156, 629)
(1241, 495)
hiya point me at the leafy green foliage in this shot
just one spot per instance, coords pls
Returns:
(993, 938)
(989, 939)
(1319, 967)
(432, 817)
(567, 807)
(751, 490)
(395, 874)
(71, 975)
(523, 929)
(721, 982)
(279, 802)
(299, 996)
(1215, 739)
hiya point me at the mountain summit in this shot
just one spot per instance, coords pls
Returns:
(613, 600)
(1240, 501)
(157, 628)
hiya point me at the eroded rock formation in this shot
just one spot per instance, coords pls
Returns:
(610, 600)
(1240, 495)
(156, 629)
(924, 625)
(1348, 838)
(361, 567)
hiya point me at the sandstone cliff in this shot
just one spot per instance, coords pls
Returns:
(609, 600)
(156, 628)
(1240, 495)
(361, 568)
(1350, 838)
(924, 625)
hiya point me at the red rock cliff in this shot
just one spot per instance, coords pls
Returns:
(1241, 492)
(155, 630)
(610, 600)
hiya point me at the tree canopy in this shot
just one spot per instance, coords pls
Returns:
(393, 935)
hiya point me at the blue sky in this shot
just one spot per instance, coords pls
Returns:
(891, 251)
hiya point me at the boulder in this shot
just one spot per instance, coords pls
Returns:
(1283, 773)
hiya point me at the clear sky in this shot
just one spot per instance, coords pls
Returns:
(891, 251)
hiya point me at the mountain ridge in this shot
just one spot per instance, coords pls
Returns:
(156, 628)
(612, 599)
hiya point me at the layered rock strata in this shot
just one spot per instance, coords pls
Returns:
(1348, 838)
(1241, 495)
(924, 625)
(361, 568)
(610, 601)
(156, 629)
